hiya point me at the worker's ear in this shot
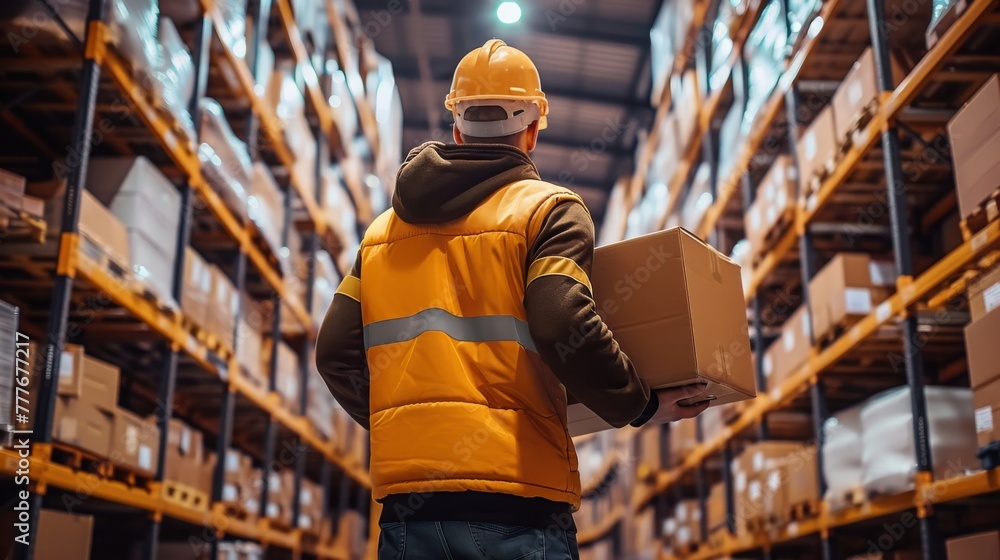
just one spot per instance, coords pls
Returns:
(532, 138)
(457, 135)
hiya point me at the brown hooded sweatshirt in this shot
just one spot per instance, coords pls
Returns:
(438, 183)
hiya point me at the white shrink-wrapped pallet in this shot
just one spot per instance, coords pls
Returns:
(150, 207)
(175, 78)
(842, 465)
(224, 158)
(888, 453)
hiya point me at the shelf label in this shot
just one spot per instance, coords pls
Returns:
(991, 297)
(984, 420)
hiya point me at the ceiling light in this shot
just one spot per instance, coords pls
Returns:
(509, 12)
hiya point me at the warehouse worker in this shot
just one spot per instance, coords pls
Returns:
(467, 317)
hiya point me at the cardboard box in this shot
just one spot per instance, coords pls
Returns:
(858, 90)
(801, 477)
(688, 517)
(206, 472)
(184, 454)
(62, 536)
(984, 293)
(847, 288)
(310, 505)
(71, 371)
(677, 310)
(974, 547)
(196, 295)
(89, 379)
(82, 424)
(790, 350)
(682, 439)
(775, 197)
(986, 404)
(224, 306)
(288, 377)
(815, 147)
(135, 442)
(11, 189)
(982, 349)
(716, 507)
(975, 141)
(105, 230)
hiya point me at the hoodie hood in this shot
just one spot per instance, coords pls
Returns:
(440, 182)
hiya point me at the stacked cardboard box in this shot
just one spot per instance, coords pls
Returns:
(310, 506)
(858, 93)
(980, 344)
(974, 547)
(319, 402)
(186, 461)
(975, 141)
(288, 377)
(86, 402)
(716, 507)
(63, 536)
(249, 355)
(791, 350)
(135, 442)
(848, 288)
(687, 516)
(197, 293)
(150, 207)
(241, 483)
(683, 438)
(756, 493)
(352, 533)
(775, 198)
(280, 489)
(800, 477)
(325, 282)
(224, 307)
(815, 148)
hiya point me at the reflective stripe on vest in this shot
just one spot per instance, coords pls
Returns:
(485, 328)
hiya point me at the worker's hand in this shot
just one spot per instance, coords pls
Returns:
(671, 411)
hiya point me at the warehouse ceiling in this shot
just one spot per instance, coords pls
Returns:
(593, 58)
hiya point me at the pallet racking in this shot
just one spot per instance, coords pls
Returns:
(923, 100)
(195, 374)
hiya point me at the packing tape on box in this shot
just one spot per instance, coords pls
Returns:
(145, 457)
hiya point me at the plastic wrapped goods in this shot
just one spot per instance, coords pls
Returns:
(842, 453)
(324, 285)
(175, 77)
(888, 453)
(150, 207)
(266, 206)
(224, 158)
(233, 30)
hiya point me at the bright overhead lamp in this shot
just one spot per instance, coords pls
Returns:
(509, 12)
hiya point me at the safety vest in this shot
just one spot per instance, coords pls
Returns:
(460, 400)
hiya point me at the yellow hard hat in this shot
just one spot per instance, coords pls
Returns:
(497, 72)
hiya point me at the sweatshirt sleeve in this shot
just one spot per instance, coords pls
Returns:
(570, 336)
(340, 349)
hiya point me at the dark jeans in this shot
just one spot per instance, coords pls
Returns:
(461, 540)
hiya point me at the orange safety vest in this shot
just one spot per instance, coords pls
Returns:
(460, 400)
